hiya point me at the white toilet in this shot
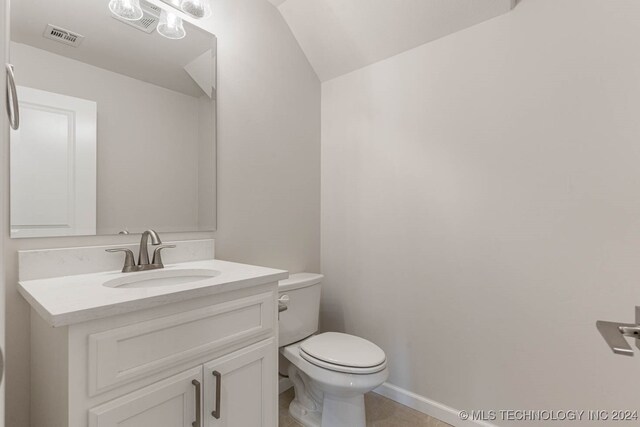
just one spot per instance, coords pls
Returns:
(330, 372)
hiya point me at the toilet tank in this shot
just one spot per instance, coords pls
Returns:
(300, 320)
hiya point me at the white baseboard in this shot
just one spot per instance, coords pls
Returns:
(427, 406)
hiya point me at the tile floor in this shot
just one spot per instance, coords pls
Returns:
(381, 412)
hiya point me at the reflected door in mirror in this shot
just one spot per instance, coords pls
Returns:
(53, 166)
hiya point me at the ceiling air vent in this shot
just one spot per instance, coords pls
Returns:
(149, 20)
(63, 36)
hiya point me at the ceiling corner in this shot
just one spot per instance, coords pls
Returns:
(339, 36)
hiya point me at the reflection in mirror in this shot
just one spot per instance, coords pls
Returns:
(118, 122)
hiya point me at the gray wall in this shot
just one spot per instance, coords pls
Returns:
(268, 168)
(481, 208)
(269, 133)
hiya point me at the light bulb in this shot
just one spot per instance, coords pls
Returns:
(196, 8)
(171, 25)
(126, 9)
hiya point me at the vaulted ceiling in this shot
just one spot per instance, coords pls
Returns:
(339, 36)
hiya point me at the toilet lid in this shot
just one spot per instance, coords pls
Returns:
(344, 350)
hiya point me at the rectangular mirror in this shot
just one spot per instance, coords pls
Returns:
(118, 122)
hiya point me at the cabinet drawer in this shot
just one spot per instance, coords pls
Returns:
(131, 352)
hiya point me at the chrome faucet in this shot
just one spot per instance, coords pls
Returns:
(143, 254)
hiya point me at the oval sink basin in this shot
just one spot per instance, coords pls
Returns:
(157, 278)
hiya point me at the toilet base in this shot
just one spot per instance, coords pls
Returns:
(312, 407)
(343, 412)
(304, 416)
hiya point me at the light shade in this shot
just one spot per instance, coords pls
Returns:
(171, 26)
(196, 8)
(126, 9)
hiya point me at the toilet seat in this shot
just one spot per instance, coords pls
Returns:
(343, 353)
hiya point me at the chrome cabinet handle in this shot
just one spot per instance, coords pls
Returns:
(13, 109)
(216, 412)
(1, 366)
(197, 422)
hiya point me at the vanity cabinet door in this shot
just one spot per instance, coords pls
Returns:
(240, 389)
(174, 402)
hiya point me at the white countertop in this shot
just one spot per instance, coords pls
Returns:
(67, 300)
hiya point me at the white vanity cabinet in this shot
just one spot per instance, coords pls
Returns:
(202, 362)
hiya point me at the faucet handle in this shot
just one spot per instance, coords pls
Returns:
(129, 260)
(157, 257)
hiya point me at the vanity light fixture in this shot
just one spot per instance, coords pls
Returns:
(126, 9)
(195, 8)
(171, 26)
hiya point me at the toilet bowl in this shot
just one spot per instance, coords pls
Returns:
(330, 372)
